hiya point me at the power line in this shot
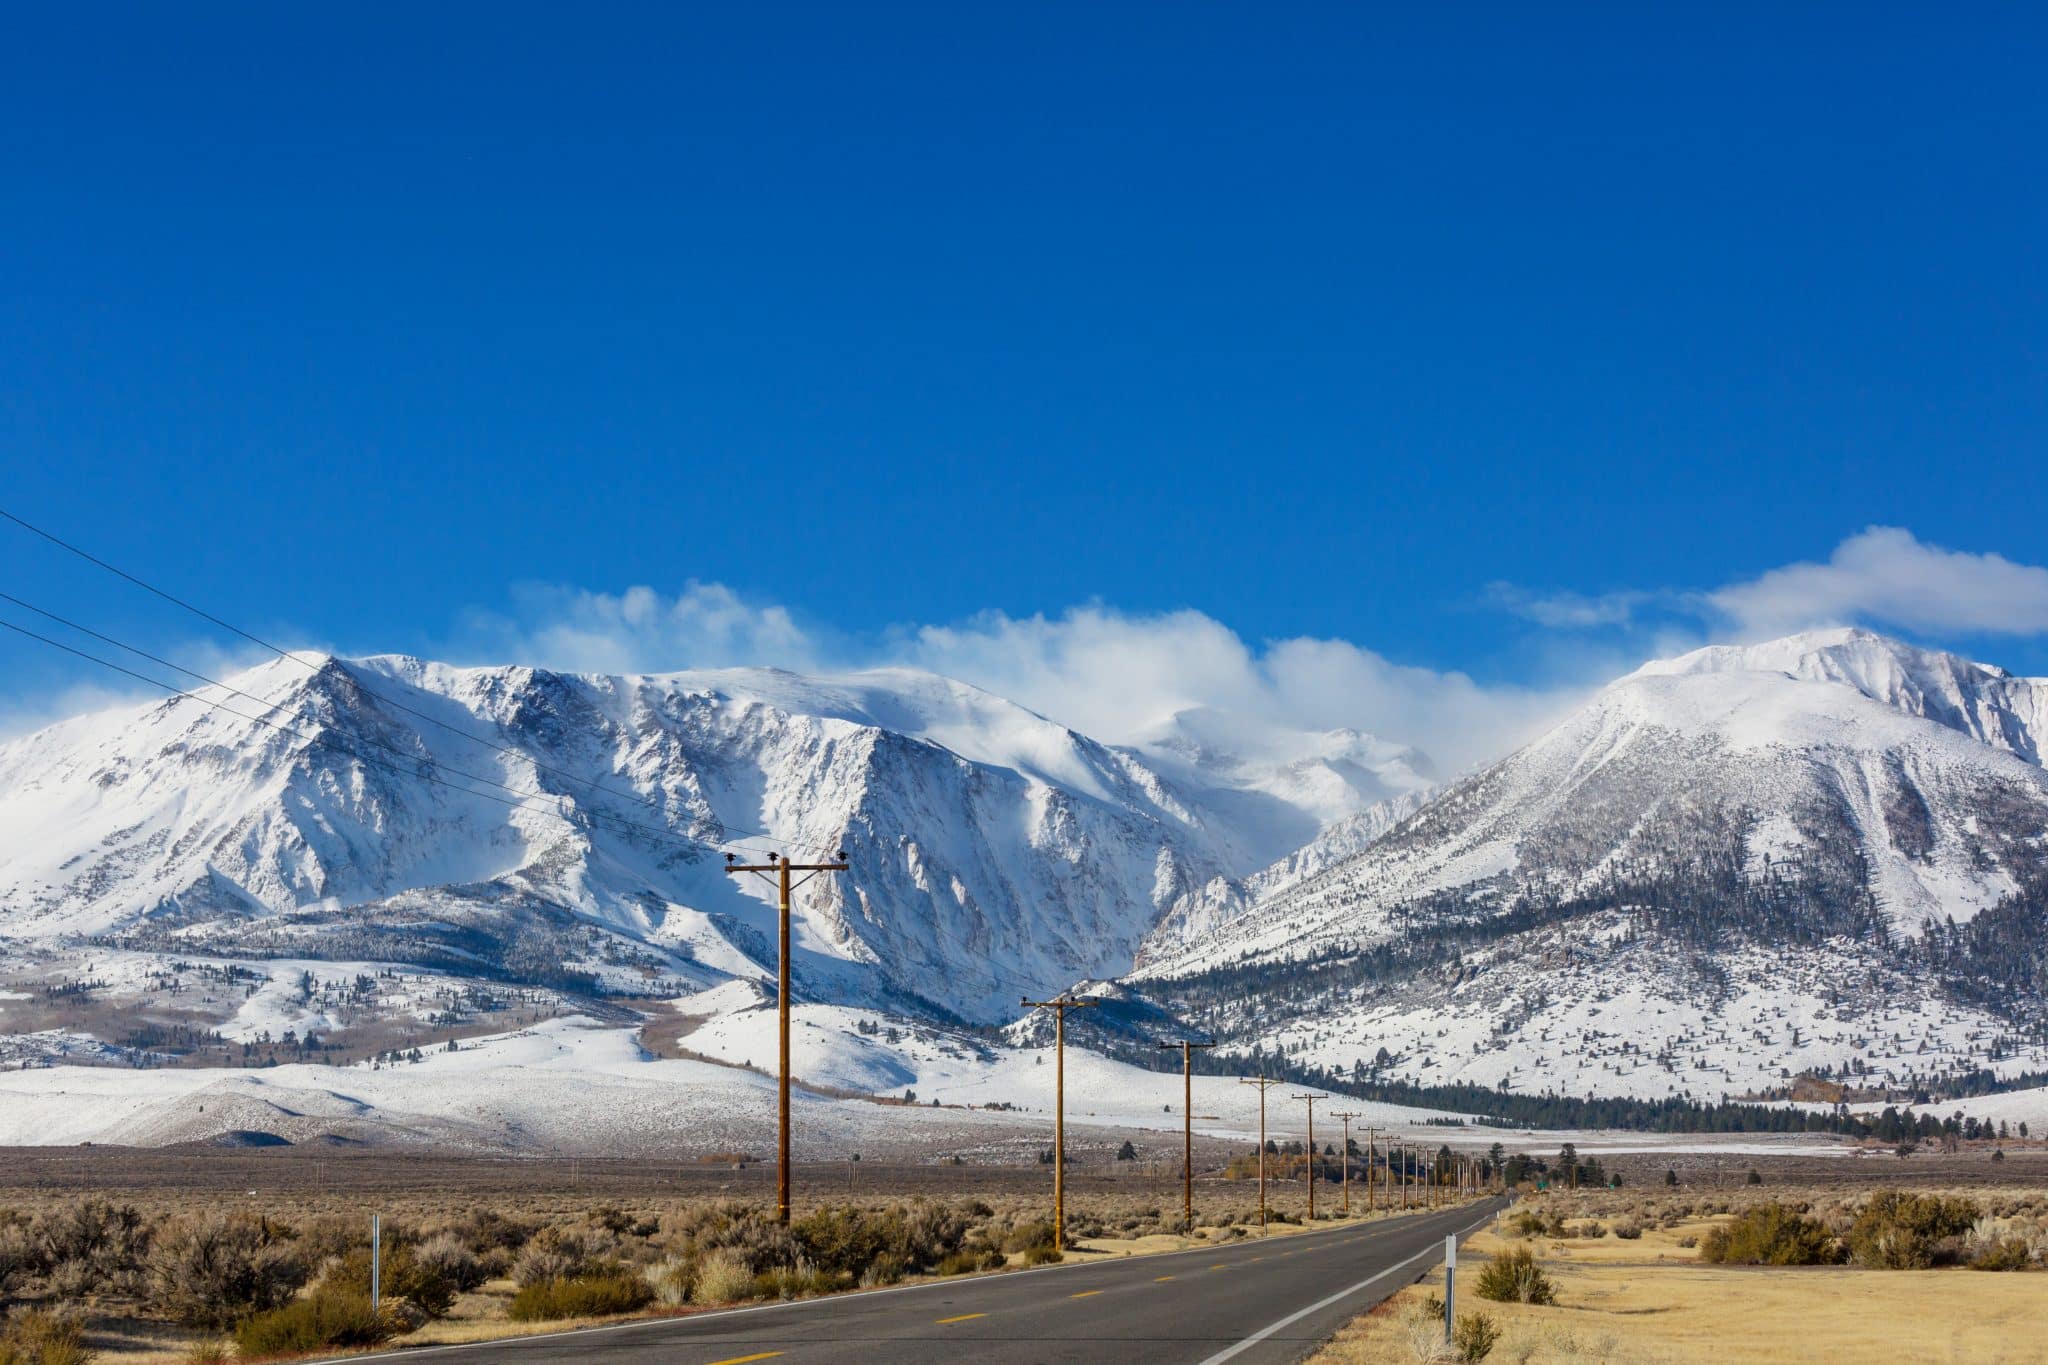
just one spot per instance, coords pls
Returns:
(730, 834)
(282, 653)
(272, 706)
(517, 803)
(412, 762)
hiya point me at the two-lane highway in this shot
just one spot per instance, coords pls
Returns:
(1251, 1303)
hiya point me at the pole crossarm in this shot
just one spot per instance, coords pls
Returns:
(1187, 1047)
(1059, 1005)
(777, 870)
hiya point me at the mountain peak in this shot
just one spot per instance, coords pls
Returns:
(1978, 700)
(1792, 654)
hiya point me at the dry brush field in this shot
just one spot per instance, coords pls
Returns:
(1767, 1274)
(166, 1257)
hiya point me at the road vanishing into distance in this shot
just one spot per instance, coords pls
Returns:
(1252, 1302)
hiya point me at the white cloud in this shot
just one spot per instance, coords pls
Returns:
(706, 625)
(1120, 677)
(1883, 576)
(1571, 610)
(25, 714)
(1886, 575)
(103, 690)
(1114, 676)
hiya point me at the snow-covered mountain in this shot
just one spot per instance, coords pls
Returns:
(1824, 853)
(1716, 840)
(517, 820)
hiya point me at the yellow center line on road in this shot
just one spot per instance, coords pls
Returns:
(1161, 1279)
(1220, 1265)
(964, 1317)
(742, 1360)
(1085, 1294)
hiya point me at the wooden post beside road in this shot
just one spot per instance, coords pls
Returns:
(1187, 1141)
(1264, 1083)
(1059, 1008)
(1347, 1115)
(777, 869)
(1311, 1151)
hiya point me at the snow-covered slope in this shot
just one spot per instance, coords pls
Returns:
(1979, 700)
(572, 1086)
(1799, 775)
(1221, 900)
(1833, 801)
(523, 817)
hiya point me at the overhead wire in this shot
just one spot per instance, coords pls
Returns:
(410, 763)
(595, 784)
(327, 737)
(518, 800)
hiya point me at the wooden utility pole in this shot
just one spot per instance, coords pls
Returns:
(1311, 1151)
(1059, 1007)
(777, 870)
(1347, 1115)
(1372, 1156)
(1187, 1143)
(1264, 1083)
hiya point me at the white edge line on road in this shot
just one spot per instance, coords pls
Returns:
(1231, 1352)
(643, 1324)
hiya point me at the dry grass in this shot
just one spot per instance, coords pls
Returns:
(488, 1248)
(1651, 1301)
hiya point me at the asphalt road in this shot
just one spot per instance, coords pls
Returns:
(1251, 1303)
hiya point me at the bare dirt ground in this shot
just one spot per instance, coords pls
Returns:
(315, 1178)
(315, 1174)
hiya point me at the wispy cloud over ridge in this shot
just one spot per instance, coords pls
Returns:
(1882, 576)
(1886, 575)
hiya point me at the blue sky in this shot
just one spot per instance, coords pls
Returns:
(1490, 340)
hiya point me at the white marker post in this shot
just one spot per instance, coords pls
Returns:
(1450, 1284)
(376, 1256)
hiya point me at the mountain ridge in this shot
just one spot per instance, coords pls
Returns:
(1744, 826)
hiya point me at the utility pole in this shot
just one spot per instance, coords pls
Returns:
(777, 870)
(1372, 1156)
(1264, 1083)
(1347, 1115)
(1404, 1175)
(1059, 1007)
(1187, 1143)
(1311, 1151)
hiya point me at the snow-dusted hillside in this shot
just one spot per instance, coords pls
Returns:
(570, 1085)
(1708, 845)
